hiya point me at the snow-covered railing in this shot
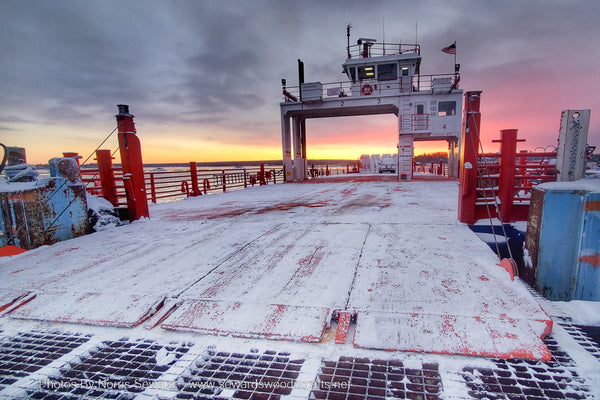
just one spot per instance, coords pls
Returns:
(439, 83)
(162, 185)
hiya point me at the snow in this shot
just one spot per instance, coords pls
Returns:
(12, 187)
(102, 213)
(590, 183)
(581, 312)
(384, 250)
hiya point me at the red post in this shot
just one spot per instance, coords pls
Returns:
(107, 176)
(152, 187)
(224, 183)
(441, 168)
(72, 155)
(470, 151)
(133, 167)
(523, 161)
(262, 174)
(508, 165)
(347, 168)
(327, 169)
(194, 178)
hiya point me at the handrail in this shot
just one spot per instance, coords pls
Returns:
(179, 184)
(381, 87)
(382, 49)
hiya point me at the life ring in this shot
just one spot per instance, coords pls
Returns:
(366, 89)
(185, 189)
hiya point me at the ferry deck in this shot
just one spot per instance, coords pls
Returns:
(355, 287)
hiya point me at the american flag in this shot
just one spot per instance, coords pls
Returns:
(450, 49)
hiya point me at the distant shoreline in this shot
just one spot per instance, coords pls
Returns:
(224, 163)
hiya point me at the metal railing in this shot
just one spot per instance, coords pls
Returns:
(382, 49)
(437, 83)
(164, 186)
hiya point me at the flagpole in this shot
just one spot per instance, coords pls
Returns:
(455, 50)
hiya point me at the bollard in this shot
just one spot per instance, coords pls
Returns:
(194, 177)
(133, 167)
(107, 176)
(470, 151)
(506, 184)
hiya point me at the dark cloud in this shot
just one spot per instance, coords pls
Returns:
(219, 64)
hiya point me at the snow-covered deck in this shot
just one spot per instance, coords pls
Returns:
(283, 262)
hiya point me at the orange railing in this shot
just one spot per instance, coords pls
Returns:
(177, 184)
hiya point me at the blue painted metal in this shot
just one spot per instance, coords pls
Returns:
(568, 243)
(47, 211)
(588, 279)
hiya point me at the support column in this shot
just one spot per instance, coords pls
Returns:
(286, 141)
(453, 159)
(469, 151)
(405, 156)
(299, 161)
(508, 161)
(303, 147)
(133, 167)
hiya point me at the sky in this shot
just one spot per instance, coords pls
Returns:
(203, 78)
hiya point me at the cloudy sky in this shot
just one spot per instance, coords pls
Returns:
(203, 78)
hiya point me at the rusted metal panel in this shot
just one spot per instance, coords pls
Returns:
(45, 212)
(532, 236)
(560, 239)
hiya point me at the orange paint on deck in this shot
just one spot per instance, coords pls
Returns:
(8, 250)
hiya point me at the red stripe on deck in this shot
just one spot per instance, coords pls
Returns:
(250, 320)
(342, 328)
(500, 337)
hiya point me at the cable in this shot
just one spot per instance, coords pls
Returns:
(486, 167)
(85, 186)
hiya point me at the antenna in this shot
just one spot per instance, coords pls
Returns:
(416, 32)
(348, 27)
(383, 29)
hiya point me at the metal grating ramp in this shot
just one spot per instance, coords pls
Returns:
(526, 379)
(362, 378)
(113, 370)
(223, 375)
(27, 352)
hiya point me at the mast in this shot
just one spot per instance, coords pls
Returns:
(348, 27)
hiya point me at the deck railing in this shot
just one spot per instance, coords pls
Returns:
(163, 186)
(502, 182)
(438, 83)
(382, 49)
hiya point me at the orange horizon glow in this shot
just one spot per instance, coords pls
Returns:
(343, 139)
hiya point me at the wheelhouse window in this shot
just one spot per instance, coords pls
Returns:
(351, 72)
(387, 71)
(366, 72)
(446, 108)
